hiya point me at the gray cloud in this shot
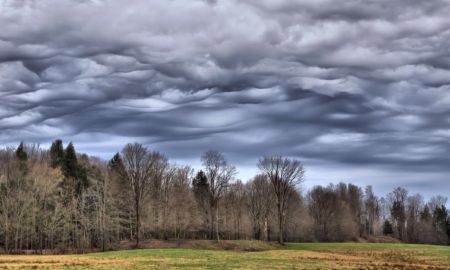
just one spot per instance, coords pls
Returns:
(356, 85)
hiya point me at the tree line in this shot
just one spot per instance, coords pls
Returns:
(57, 199)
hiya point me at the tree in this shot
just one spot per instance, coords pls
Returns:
(75, 178)
(236, 195)
(141, 166)
(56, 153)
(441, 221)
(414, 204)
(372, 209)
(260, 200)
(323, 208)
(200, 188)
(387, 228)
(21, 154)
(398, 210)
(219, 173)
(285, 175)
(182, 202)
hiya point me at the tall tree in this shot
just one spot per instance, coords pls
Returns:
(372, 209)
(75, 178)
(260, 199)
(122, 197)
(442, 221)
(398, 210)
(285, 175)
(141, 167)
(219, 173)
(323, 208)
(21, 153)
(414, 204)
(56, 153)
(200, 188)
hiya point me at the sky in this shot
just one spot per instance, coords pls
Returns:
(359, 91)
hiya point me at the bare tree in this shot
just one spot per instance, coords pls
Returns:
(285, 175)
(414, 204)
(397, 199)
(141, 167)
(323, 208)
(372, 210)
(219, 173)
(236, 199)
(182, 202)
(260, 199)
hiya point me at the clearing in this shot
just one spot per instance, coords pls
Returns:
(294, 256)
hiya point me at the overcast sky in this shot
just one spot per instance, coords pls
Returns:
(358, 90)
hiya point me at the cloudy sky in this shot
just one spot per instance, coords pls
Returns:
(358, 90)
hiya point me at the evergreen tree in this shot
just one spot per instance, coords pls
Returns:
(441, 220)
(425, 214)
(116, 165)
(21, 154)
(75, 176)
(56, 153)
(22, 157)
(387, 228)
(200, 186)
(70, 162)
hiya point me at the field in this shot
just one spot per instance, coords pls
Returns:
(293, 256)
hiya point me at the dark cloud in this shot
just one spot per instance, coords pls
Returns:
(359, 88)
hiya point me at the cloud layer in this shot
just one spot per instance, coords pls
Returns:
(354, 85)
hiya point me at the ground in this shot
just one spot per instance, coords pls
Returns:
(294, 256)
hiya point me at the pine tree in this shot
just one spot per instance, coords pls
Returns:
(200, 186)
(75, 176)
(21, 154)
(116, 165)
(22, 157)
(441, 220)
(56, 153)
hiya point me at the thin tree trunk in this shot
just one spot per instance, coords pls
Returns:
(138, 227)
(217, 223)
(280, 224)
(266, 231)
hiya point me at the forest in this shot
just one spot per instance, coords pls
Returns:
(60, 200)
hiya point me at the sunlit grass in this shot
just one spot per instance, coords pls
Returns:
(294, 256)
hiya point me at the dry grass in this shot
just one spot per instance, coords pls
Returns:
(295, 256)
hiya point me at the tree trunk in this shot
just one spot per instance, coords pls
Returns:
(266, 230)
(280, 224)
(138, 220)
(211, 222)
(217, 223)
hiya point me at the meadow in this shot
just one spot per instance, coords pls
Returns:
(293, 256)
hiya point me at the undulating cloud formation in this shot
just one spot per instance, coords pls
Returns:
(358, 90)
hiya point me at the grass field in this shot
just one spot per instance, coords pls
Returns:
(293, 256)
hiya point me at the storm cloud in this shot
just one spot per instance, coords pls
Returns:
(358, 90)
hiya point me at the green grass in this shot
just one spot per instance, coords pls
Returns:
(305, 256)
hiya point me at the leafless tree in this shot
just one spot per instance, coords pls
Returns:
(219, 174)
(260, 199)
(414, 204)
(372, 210)
(323, 208)
(397, 199)
(141, 167)
(182, 202)
(285, 175)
